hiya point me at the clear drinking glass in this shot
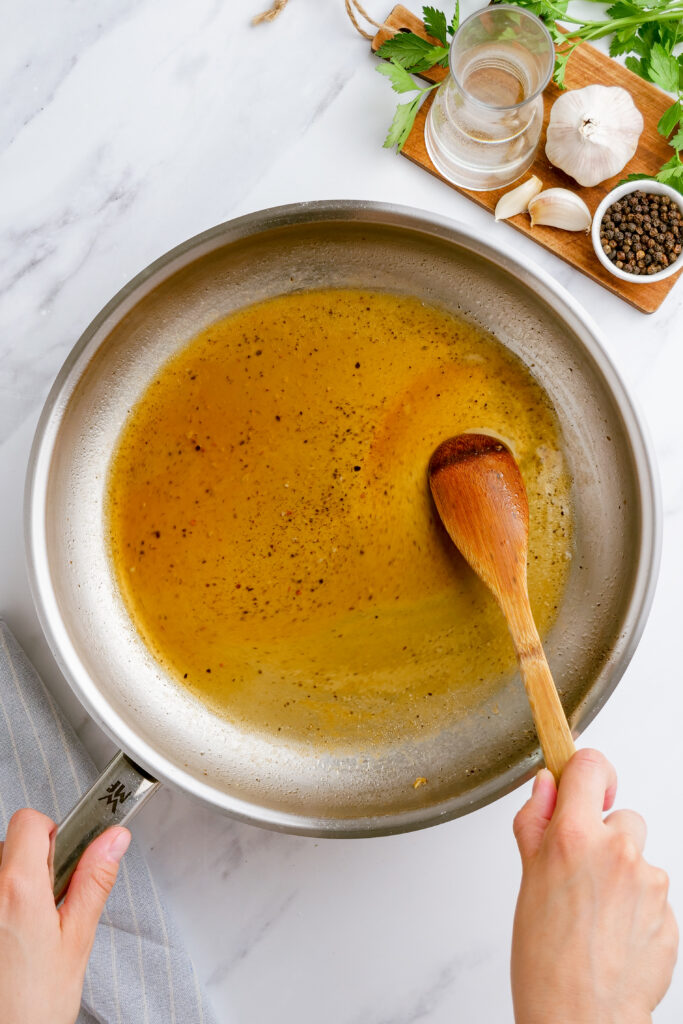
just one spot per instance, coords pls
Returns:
(483, 127)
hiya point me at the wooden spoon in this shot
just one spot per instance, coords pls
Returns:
(479, 494)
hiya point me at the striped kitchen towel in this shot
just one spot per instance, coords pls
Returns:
(139, 971)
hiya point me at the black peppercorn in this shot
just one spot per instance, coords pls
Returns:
(642, 233)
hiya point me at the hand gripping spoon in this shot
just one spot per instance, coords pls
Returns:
(479, 494)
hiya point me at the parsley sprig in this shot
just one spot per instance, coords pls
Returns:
(408, 54)
(646, 32)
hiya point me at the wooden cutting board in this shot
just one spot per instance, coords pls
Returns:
(586, 67)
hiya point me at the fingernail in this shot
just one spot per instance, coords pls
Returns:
(541, 777)
(118, 844)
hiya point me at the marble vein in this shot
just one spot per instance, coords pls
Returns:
(257, 929)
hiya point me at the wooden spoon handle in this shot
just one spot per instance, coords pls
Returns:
(550, 720)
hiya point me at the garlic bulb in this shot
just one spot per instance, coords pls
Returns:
(517, 199)
(560, 208)
(593, 132)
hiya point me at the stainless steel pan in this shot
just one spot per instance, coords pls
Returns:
(173, 737)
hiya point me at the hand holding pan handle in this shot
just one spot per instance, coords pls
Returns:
(113, 799)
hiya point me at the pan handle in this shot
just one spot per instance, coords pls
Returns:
(113, 799)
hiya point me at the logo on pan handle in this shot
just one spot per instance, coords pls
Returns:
(115, 795)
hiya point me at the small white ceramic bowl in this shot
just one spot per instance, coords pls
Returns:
(647, 185)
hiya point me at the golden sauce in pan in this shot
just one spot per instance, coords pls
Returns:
(272, 531)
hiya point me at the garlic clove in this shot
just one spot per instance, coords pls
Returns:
(560, 208)
(593, 132)
(517, 199)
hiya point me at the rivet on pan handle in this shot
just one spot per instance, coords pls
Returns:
(113, 799)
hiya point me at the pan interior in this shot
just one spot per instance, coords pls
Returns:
(323, 790)
(272, 530)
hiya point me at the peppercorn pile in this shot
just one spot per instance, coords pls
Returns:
(642, 233)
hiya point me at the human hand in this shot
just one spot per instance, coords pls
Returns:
(44, 950)
(594, 939)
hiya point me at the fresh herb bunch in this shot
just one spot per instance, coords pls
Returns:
(645, 31)
(408, 54)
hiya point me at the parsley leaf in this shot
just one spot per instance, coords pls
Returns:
(670, 118)
(663, 68)
(668, 34)
(638, 67)
(402, 123)
(435, 24)
(622, 9)
(622, 42)
(637, 177)
(634, 8)
(557, 36)
(401, 80)
(677, 141)
(412, 52)
(546, 9)
(676, 183)
(455, 20)
(672, 172)
(641, 45)
(561, 61)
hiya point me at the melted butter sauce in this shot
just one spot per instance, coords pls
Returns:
(272, 532)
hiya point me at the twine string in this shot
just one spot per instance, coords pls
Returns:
(271, 14)
(350, 4)
(353, 9)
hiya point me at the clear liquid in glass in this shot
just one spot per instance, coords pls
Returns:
(483, 127)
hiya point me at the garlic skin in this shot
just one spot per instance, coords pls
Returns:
(560, 208)
(593, 132)
(517, 199)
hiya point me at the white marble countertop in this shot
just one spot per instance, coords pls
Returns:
(127, 127)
